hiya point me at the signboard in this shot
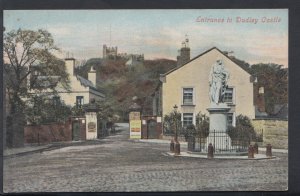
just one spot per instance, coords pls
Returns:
(91, 127)
(158, 119)
(135, 129)
(134, 116)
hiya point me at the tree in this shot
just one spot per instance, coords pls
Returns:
(243, 130)
(171, 122)
(25, 49)
(274, 79)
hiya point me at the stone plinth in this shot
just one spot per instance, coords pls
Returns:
(218, 127)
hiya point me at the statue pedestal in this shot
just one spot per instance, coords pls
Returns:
(218, 127)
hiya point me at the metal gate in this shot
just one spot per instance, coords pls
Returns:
(151, 129)
(75, 131)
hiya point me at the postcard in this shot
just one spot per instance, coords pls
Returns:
(145, 100)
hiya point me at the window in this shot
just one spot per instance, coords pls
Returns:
(79, 101)
(187, 119)
(56, 100)
(231, 119)
(228, 96)
(188, 96)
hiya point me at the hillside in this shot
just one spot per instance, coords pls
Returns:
(122, 83)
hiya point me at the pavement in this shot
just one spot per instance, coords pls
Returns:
(46, 147)
(118, 164)
(184, 144)
(34, 148)
(204, 156)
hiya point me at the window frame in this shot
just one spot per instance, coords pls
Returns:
(232, 101)
(190, 120)
(233, 119)
(81, 102)
(56, 100)
(192, 96)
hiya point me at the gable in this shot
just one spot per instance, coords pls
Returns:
(204, 54)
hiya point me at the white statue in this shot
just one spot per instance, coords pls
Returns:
(218, 79)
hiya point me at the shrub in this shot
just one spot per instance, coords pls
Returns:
(243, 130)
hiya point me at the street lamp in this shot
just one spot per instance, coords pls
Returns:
(175, 115)
(176, 144)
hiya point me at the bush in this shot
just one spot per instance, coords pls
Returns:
(42, 110)
(244, 130)
(170, 123)
(202, 125)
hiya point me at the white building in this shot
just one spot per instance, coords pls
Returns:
(187, 87)
(81, 90)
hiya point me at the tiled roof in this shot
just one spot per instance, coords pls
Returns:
(46, 81)
(88, 83)
(85, 82)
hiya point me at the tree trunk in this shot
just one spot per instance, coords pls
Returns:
(15, 130)
(15, 123)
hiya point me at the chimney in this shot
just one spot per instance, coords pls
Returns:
(70, 64)
(184, 53)
(92, 76)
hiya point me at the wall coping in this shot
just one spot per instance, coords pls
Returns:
(278, 119)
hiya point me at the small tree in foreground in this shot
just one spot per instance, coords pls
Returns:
(171, 122)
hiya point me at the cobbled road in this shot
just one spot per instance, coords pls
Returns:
(120, 164)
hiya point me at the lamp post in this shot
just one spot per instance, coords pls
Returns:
(176, 143)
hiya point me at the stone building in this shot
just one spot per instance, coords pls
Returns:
(112, 53)
(109, 52)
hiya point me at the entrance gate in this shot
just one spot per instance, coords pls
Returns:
(151, 128)
(75, 130)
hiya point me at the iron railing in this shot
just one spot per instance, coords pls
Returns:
(232, 140)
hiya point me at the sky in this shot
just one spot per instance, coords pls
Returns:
(255, 36)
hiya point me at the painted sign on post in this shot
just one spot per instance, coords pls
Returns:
(135, 129)
(134, 116)
(91, 126)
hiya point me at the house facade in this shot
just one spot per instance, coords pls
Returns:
(187, 86)
(81, 90)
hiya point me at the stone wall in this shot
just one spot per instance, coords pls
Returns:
(275, 132)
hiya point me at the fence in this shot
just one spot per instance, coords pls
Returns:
(222, 142)
(232, 140)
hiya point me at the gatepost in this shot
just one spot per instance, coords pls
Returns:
(135, 123)
(91, 120)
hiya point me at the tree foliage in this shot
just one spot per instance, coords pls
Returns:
(25, 52)
(172, 121)
(274, 79)
(243, 130)
(41, 110)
